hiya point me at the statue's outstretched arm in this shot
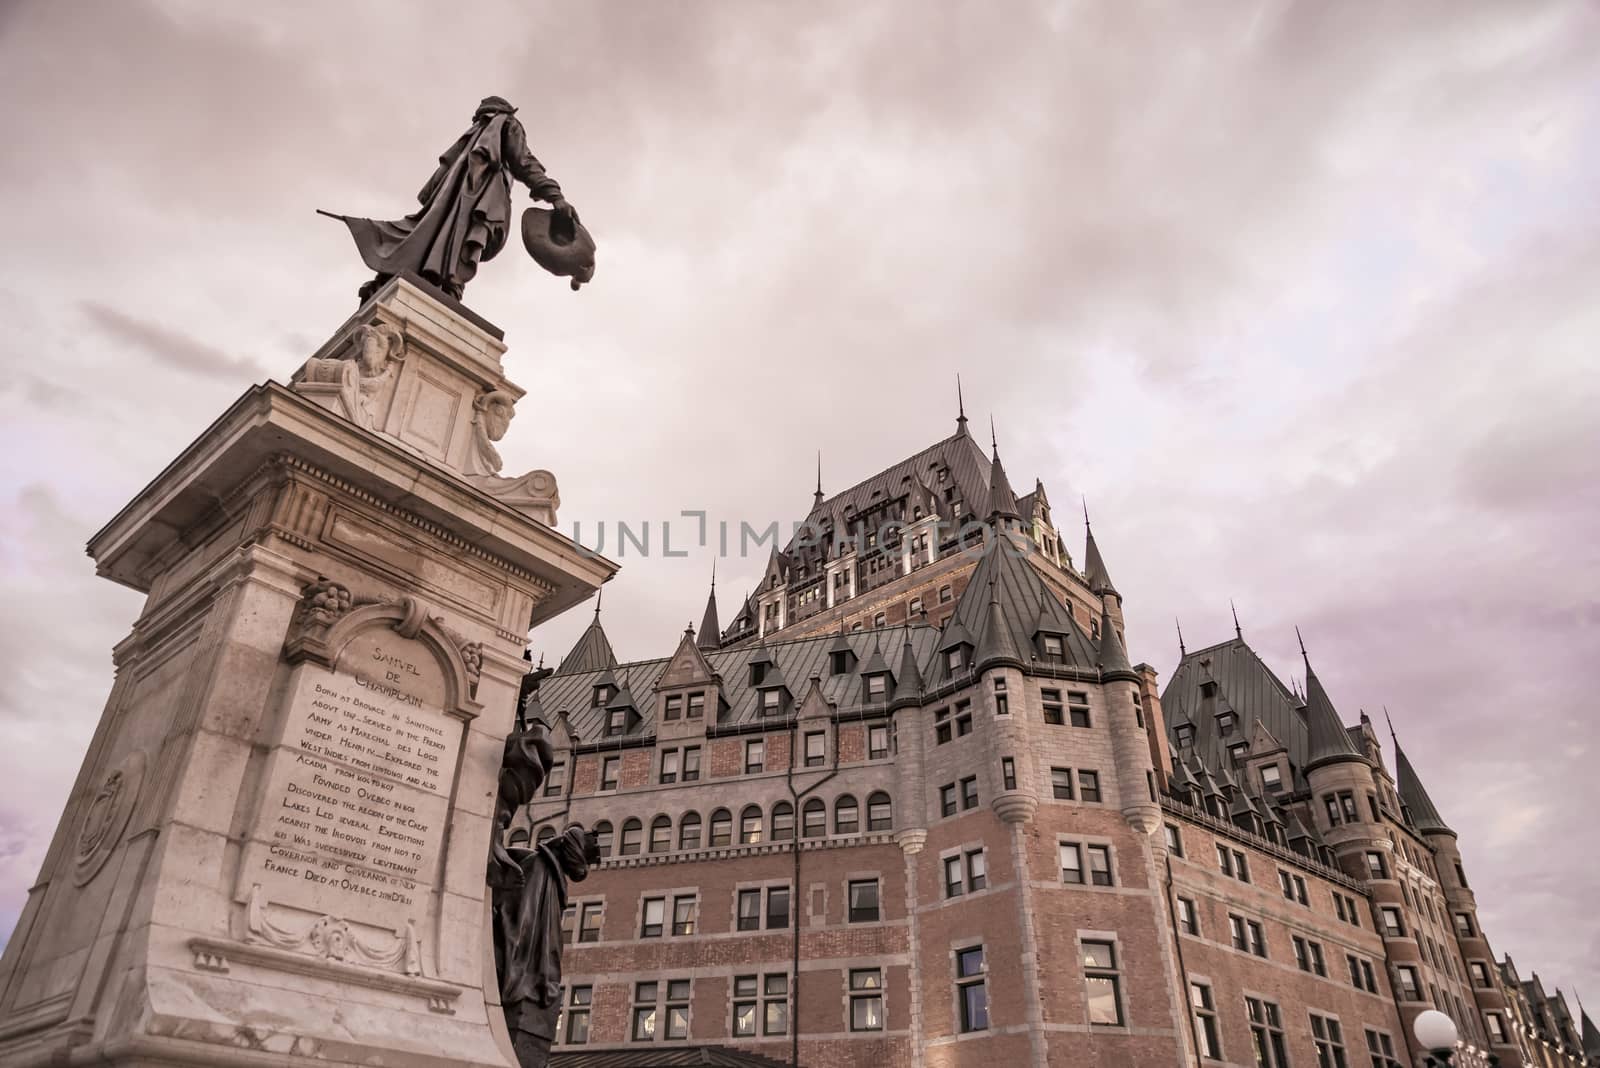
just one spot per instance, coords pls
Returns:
(525, 168)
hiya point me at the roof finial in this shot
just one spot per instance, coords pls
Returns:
(1085, 499)
(994, 443)
(1302, 641)
(1181, 650)
(599, 595)
(1237, 633)
(1392, 736)
(961, 408)
(819, 479)
(713, 572)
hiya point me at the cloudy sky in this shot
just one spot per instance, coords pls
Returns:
(1302, 297)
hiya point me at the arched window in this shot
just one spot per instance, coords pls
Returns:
(814, 819)
(660, 834)
(546, 833)
(880, 813)
(846, 815)
(782, 821)
(689, 831)
(750, 825)
(721, 827)
(602, 836)
(518, 837)
(632, 833)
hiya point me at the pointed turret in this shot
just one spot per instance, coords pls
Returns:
(710, 632)
(592, 652)
(1591, 1035)
(1329, 741)
(908, 680)
(996, 646)
(961, 409)
(1419, 806)
(1113, 658)
(816, 500)
(1094, 565)
(1002, 501)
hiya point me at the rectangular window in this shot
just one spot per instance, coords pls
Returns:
(1053, 651)
(866, 999)
(1393, 925)
(1241, 867)
(963, 718)
(755, 756)
(1008, 773)
(1496, 1027)
(1205, 1020)
(644, 1011)
(1071, 863)
(669, 765)
(1224, 860)
(1102, 982)
(697, 705)
(672, 708)
(816, 748)
(947, 799)
(863, 901)
(1410, 982)
(1266, 1033)
(609, 767)
(653, 918)
(579, 1000)
(977, 870)
(1240, 942)
(777, 907)
(1088, 785)
(1377, 868)
(1061, 783)
(1464, 925)
(1188, 917)
(1480, 973)
(691, 763)
(771, 702)
(1053, 713)
(1380, 1047)
(1099, 864)
(1293, 886)
(972, 994)
(877, 743)
(1329, 1042)
(1347, 805)
(877, 687)
(1271, 778)
(953, 885)
(1319, 966)
(1078, 708)
(941, 726)
(685, 910)
(1174, 840)
(617, 721)
(969, 792)
(1258, 938)
(677, 1008)
(589, 922)
(749, 910)
(555, 780)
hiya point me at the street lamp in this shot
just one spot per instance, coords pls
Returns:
(1437, 1034)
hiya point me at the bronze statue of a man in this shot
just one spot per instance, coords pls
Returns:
(466, 207)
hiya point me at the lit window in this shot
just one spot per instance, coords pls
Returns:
(866, 999)
(1102, 982)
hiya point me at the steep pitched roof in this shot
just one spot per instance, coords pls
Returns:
(1329, 741)
(1002, 501)
(908, 680)
(1113, 658)
(1018, 591)
(1251, 691)
(592, 652)
(1419, 806)
(1094, 565)
(710, 636)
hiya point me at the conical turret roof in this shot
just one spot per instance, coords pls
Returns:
(710, 637)
(1419, 806)
(1112, 656)
(592, 652)
(908, 680)
(1002, 501)
(1329, 741)
(1094, 565)
(996, 646)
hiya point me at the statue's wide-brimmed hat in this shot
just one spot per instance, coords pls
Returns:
(558, 244)
(492, 104)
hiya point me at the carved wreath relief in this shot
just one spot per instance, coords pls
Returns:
(106, 818)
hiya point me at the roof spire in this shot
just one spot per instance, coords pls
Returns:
(817, 499)
(961, 408)
(1181, 650)
(1237, 633)
(1330, 742)
(1094, 566)
(599, 595)
(994, 443)
(710, 636)
(1002, 501)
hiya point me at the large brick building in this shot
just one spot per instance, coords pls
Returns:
(916, 807)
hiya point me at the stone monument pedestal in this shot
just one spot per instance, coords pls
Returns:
(274, 852)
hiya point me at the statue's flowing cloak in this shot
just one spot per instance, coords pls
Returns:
(466, 207)
(528, 949)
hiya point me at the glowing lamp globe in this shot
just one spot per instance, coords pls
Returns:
(1435, 1030)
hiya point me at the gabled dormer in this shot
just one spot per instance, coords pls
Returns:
(841, 655)
(877, 681)
(955, 649)
(1268, 764)
(687, 688)
(622, 713)
(760, 663)
(774, 698)
(1052, 631)
(604, 689)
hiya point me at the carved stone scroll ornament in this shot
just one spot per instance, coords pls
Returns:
(331, 938)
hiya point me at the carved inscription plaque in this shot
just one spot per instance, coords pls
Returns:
(353, 816)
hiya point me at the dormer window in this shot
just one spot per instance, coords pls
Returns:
(603, 693)
(956, 660)
(915, 608)
(1208, 688)
(1185, 734)
(1054, 649)
(1094, 629)
(617, 721)
(772, 702)
(1271, 779)
(839, 662)
(1237, 752)
(672, 708)
(879, 619)
(1226, 721)
(697, 705)
(758, 671)
(877, 687)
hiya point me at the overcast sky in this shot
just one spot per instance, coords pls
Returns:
(1301, 297)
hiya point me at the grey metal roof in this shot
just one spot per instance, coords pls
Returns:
(1002, 501)
(592, 651)
(796, 661)
(1248, 688)
(1094, 566)
(1329, 739)
(1419, 806)
(710, 633)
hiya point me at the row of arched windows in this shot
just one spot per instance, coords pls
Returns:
(754, 826)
